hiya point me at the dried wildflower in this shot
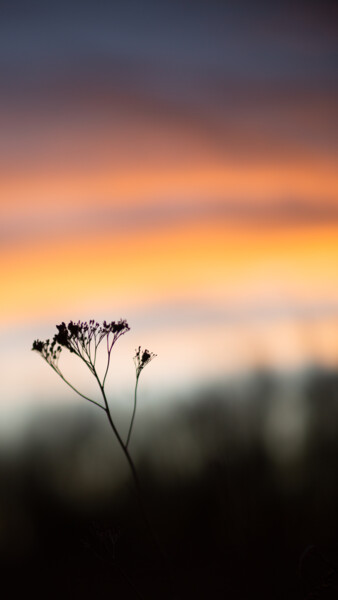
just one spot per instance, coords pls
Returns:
(83, 339)
(38, 346)
(50, 351)
(141, 359)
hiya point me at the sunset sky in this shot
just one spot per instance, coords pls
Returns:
(174, 164)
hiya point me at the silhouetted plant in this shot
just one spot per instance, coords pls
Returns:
(141, 359)
(83, 339)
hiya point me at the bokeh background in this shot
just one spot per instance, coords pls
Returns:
(174, 164)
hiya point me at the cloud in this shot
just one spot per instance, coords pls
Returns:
(155, 216)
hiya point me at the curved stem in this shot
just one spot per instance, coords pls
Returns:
(133, 415)
(115, 430)
(77, 391)
(108, 361)
(132, 468)
(138, 489)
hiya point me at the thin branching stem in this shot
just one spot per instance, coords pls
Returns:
(116, 432)
(95, 348)
(134, 412)
(131, 465)
(77, 391)
(109, 349)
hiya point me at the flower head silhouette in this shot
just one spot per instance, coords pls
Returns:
(83, 338)
(141, 359)
(50, 351)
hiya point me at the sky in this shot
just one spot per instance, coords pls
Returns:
(174, 164)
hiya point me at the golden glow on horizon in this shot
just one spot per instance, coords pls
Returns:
(213, 262)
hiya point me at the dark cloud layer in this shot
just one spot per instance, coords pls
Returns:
(248, 40)
(210, 66)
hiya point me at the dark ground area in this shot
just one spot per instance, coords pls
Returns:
(243, 503)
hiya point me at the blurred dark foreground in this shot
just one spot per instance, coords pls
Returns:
(240, 484)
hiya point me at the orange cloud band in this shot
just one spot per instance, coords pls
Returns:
(213, 262)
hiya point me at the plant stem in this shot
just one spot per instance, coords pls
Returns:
(132, 468)
(133, 415)
(77, 391)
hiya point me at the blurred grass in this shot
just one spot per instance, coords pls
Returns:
(235, 490)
